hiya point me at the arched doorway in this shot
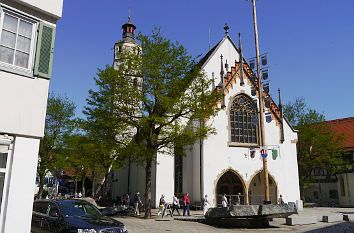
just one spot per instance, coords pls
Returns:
(230, 184)
(256, 189)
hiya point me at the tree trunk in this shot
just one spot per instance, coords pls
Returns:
(75, 185)
(105, 193)
(83, 191)
(41, 184)
(148, 189)
(93, 189)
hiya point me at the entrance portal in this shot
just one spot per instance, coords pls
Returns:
(230, 184)
(256, 189)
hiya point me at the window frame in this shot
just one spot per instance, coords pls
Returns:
(240, 144)
(12, 67)
(7, 170)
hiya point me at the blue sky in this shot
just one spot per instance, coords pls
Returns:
(310, 43)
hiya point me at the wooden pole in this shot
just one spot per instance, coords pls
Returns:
(261, 114)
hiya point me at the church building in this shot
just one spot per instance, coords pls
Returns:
(229, 161)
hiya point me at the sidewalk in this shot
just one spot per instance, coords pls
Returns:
(168, 224)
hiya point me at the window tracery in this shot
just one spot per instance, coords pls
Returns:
(243, 120)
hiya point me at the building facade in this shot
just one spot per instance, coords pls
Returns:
(27, 33)
(229, 161)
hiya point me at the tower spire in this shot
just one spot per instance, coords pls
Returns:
(128, 30)
(226, 28)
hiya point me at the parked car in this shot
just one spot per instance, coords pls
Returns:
(69, 216)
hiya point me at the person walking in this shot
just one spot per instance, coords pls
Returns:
(161, 205)
(206, 204)
(175, 205)
(127, 199)
(281, 201)
(238, 199)
(224, 200)
(137, 201)
(187, 203)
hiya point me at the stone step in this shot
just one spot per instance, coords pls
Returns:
(332, 218)
(300, 220)
(348, 217)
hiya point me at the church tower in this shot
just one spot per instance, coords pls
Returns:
(126, 43)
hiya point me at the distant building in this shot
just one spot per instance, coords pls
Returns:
(337, 189)
(230, 161)
(27, 33)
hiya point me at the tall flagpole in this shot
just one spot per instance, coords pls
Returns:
(261, 102)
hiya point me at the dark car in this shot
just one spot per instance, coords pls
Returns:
(69, 216)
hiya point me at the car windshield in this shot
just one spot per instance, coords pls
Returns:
(78, 208)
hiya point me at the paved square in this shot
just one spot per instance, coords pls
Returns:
(168, 224)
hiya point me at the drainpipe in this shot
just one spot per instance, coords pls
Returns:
(201, 163)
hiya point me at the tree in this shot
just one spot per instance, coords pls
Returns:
(107, 134)
(80, 157)
(164, 95)
(319, 147)
(58, 122)
(159, 100)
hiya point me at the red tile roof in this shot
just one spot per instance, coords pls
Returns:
(346, 126)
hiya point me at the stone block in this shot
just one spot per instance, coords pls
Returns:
(251, 211)
(348, 217)
(332, 218)
(300, 220)
(299, 205)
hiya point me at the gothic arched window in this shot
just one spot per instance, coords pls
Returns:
(243, 120)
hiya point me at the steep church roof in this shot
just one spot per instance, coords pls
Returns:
(212, 51)
(248, 73)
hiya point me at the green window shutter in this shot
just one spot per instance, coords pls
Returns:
(44, 51)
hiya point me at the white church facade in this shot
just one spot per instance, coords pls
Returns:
(229, 161)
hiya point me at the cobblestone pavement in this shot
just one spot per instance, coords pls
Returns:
(168, 224)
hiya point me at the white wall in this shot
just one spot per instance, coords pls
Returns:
(21, 193)
(165, 178)
(51, 7)
(23, 104)
(227, 50)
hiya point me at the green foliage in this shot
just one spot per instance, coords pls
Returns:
(157, 101)
(58, 123)
(299, 114)
(167, 92)
(318, 147)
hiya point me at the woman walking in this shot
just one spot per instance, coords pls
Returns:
(176, 205)
(162, 205)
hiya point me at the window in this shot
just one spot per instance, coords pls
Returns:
(5, 165)
(243, 120)
(16, 41)
(3, 161)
